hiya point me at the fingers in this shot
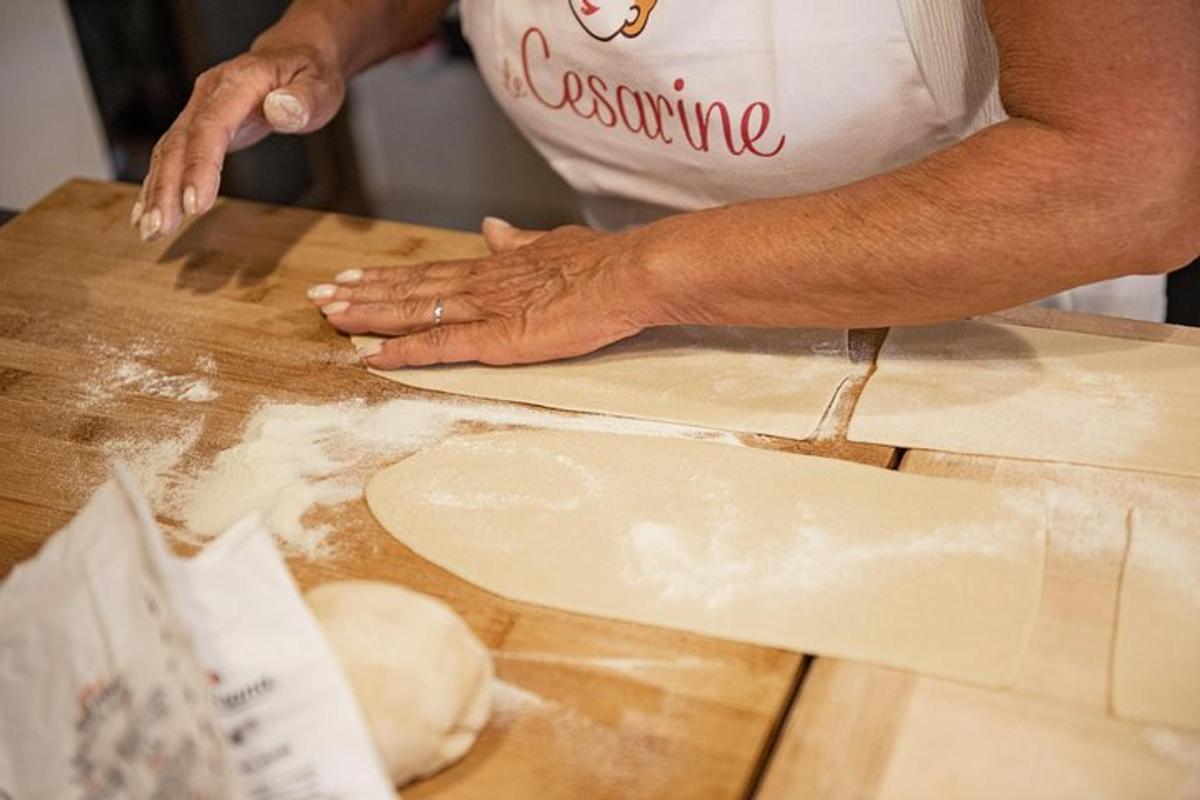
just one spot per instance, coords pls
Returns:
(502, 236)
(401, 318)
(445, 344)
(232, 106)
(399, 290)
(201, 162)
(185, 167)
(161, 197)
(285, 112)
(305, 104)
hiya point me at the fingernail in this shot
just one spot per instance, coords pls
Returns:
(189, 201)
(501, 223)
(334, 308)
(349, 276)
(136, 214)
(371, 348)
(322, 291)
(151, 223)
(285, 111)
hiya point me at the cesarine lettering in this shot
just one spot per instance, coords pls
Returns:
(669, 119)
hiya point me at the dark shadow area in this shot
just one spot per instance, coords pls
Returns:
(990, 342)
(142, 57)
(1183, 295)
(995, 359)
(225, 247)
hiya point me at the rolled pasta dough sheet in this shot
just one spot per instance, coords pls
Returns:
(1002, 390)
(777, 382)
(814, 555)
(1156, 664)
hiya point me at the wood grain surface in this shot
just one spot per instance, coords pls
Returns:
(859, 731)
(597, 708)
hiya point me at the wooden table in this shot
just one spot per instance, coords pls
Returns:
(696, 717)
(864, 731)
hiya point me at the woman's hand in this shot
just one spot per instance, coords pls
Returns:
(539, 297)
(292, 89)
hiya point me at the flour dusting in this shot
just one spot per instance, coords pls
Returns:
(622, 762)
(130, 369)
(157, 464)
(146, 380)
(296, 458)
(1172, 556)
(626, 666)
(510, 701)
(717, 567)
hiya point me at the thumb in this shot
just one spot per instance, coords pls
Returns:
(445, 344)
(502, 236)
(302, 106)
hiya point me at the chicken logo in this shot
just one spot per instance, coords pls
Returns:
(607, 19)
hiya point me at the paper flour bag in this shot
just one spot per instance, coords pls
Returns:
(100, 692)
(128, 673)
(292, 721)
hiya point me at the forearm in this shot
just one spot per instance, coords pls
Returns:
(354, 34)
(1017, 212)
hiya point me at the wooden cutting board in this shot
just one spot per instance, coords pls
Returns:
(596, 709)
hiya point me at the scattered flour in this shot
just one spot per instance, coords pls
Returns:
(620, 762)
(1170, 553)
(625, 666)
(127, 369)
(510, 701)
(719, 566)
(206, 364)
(157, 463)
(295, 458)
(1184, 750)
(147, 380)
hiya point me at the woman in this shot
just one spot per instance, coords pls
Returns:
(768, 163)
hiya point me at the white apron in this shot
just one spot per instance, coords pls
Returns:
(650, 107)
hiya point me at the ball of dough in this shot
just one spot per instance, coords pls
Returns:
(422, 678)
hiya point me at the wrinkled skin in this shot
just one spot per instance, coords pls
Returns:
(540, 297)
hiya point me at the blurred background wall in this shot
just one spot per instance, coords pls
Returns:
(49, 128)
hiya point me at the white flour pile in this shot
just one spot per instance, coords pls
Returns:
(124, 370)
(510, 701)
(157, 464)
(295, 458)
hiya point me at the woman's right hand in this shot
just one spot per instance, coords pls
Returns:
(235, 104)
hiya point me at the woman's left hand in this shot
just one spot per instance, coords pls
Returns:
(540, 296)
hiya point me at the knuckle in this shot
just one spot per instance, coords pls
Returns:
(238, 68)
(228, 77)
(573, 231)
(206, 117)
(206, 80)
(167, 142)
(399, 292)
(416, 309)
(437, 338)
(196, 163)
